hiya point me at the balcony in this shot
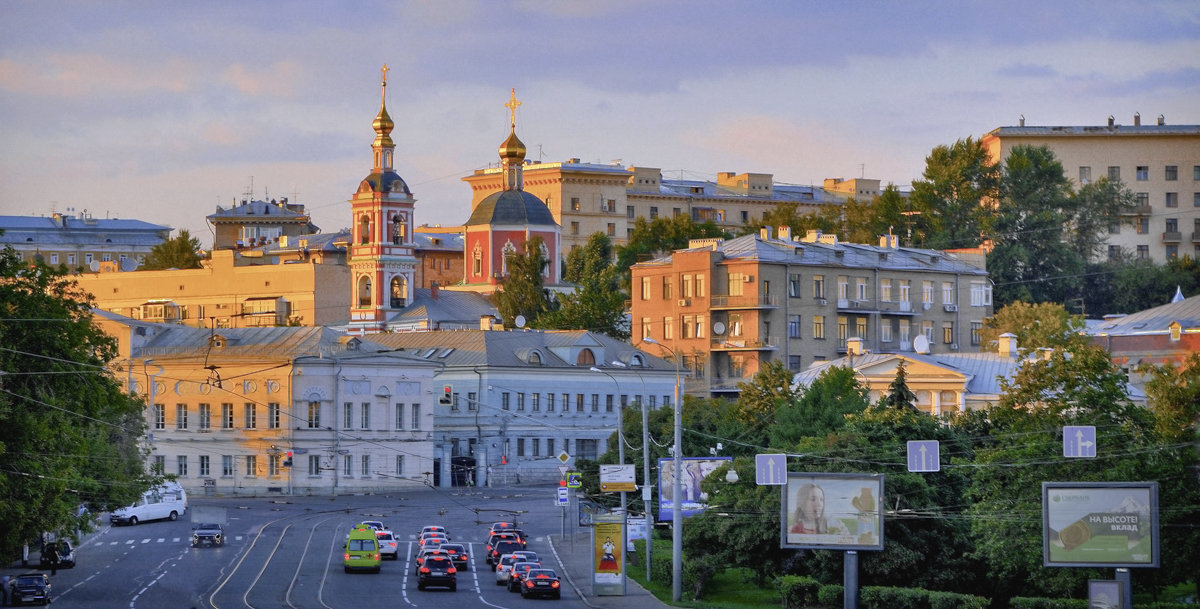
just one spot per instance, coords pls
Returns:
(744, 343)
(727, 302)
(1139, 210)
(1172, 237)
(1196, 236)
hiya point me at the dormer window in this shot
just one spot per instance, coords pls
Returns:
(535, 359)
(637, 361)
(585, 358)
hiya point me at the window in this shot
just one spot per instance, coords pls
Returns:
(860, 289)
(926, 292)
(700, 327)
(314, 415)
(904, 289)
(504, 401)
(687, 326)
(1196, 199)
(595, 402)
(608, 403)
(160, 464)
(1114, 173)
(273, 415)
(700, 286)
(1172, 225)
(586, 449)
(454, 406)
(794, 285)
(1085, 175)
(1171, 173)
(226, 465)
(688, 287)
(653, 212)
(181, 465)
(885, 332)
(948, 332)
(205, 417)
(549, 402)
(843, 331)
(549, 446)
(860, 327)
(520, 402)
(612, 230)
(905, 333)
(885, 290)
(1142, 199)
(537, 447)
(347, 466)
(226, 416)
(365, 466)
(204, 465)
(1143, 173)
(251, 465)
(1172, 199)
(472, 402)
(347, 415)
(1143, 252)
(610, 205)
(520, 447)
(535, 402)
(735, 324)
(574, 203)
(818, 286)
(1172, 250)
(666, 288)
(818, 326)
(416, 416)
(794, 326)
(629, 213)
(645, 288)
(1196, 173)
(250, 413)
(574, 228)
(843, 287)
(578, 402)
(160, 416)
(795, 363)
(1143, 226)
(365, 416)
(981, 294)
(746, 215)
(976, 328)
(400, 416)
(947, 292)
(668, 328)
(736, 280)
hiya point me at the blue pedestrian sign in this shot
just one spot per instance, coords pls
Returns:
(924, 456)
(770, 470)
(1079, 441)
(574, 480)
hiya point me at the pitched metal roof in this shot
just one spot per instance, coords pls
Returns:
(503, 348)
(70, 230)
(458, 308)
(1153, 321)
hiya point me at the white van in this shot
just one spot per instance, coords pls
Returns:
(168, 501)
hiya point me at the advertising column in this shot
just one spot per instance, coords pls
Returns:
(608, 555)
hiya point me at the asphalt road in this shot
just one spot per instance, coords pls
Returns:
(287, 552)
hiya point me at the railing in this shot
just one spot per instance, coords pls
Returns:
(725, 301)
(1175, 236)
(743, 342)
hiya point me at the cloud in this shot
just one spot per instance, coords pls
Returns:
(278, 81)
(1027, 70)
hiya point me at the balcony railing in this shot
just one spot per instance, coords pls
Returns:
(744, 343)
(1173, 236)
(725, 301)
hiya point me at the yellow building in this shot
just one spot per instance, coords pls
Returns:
(1160, 163)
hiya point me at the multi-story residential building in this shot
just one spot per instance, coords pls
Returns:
(228, 407)
(523, 403)
(1160, 163)
(82, 243)
(254, 223)
(724, 308)
(586, 198)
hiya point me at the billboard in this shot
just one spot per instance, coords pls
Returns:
(1100, 524)
(832, 511)
(694, 500)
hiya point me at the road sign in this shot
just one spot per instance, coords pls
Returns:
(562, 471)
(924, 456)
(617, 478)
(770, 469)
(563, 497)
(563, 457)
(1079, 441)
(574, 479)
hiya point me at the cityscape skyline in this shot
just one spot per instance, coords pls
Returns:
(152, 112)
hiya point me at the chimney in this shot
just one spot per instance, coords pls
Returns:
(485, 322)
(854, 346)
(1162, 120)
(764, 233)
(1008, 345)
(1111, 120)
(785, 233)
(1137, 119)
(1021, 122)
(433, 290)
(1044, 353)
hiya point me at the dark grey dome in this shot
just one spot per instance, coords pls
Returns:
(512, 207)
(388, 181)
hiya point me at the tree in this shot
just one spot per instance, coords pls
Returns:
(788, 214)
(660, 235)
(522, 291)
(182, 252)
(948, 203)
(1094, 209)
(899, 396)
(761, 397)
(69, 433)
(820, 409)
(598, 303)
(1042, 325)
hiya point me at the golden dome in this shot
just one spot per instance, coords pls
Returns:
(513, 148)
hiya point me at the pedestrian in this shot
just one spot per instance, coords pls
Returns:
(4, 588)
(50, 555)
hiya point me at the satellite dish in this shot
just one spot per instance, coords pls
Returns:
(95, 266)
(129, 264)
(520, 321)
(719, 328)
(921, 344)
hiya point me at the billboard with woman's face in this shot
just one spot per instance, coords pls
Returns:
(694, 499)
(832, 511)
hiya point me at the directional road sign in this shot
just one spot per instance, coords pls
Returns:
(770, 470)
(1079, 441)
(924, 456)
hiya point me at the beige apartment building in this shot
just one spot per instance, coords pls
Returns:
(727, 307)
(1160, 163)
(586, 198)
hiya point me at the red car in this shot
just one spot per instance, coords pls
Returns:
(541, 582)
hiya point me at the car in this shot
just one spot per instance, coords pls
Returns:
(433, 528)
(458, 553)
(424, 553)
(66, 556)
(502, 548)
(496, 538)
(30, 588)
(518, 571)
(208, 534)
(374, 524)
(500, 526)
(503, 566)
(541, 582)
(437, 570)
(389, 546)
(362, 550)
(528, 555)
(434, 537)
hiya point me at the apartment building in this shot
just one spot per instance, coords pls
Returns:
(1160, 163)
(725, 308)
(82, 242)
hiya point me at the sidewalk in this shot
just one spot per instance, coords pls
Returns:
(576, 563)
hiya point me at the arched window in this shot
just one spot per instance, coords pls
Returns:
(364, 229)
(364, 291)
(477, 261)
(508, 250)
(535, 358)
(636, 361)
(546, 256)
(399, 292)
(586, 358)
(399, 229)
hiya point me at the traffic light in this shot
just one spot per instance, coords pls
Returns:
(503, 459)
(447, 397)
(288, 461)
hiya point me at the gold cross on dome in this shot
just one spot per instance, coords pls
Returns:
(512, 107)
(385, 71)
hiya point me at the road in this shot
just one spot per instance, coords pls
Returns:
(287, 552)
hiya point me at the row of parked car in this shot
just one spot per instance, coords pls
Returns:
(517, 567)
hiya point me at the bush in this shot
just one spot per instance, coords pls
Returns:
(799, 592)
(878, 597)
(1026, 602)
(953, 600)
(830, 595)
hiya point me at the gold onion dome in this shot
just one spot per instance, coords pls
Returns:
(513, 148)
(383, 127)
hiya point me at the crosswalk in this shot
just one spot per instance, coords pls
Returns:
(130, 542)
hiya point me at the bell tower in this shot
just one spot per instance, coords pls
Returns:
(380, 253)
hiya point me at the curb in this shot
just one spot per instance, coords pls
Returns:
(567, 573)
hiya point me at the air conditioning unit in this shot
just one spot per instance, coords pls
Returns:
(747, 278)
(954, 346)
(822, 302)
(951, 308)
(925, 305)
(683, 302)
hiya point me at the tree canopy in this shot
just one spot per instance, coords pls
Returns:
(523, 290)
(598, 303)
(182, 252)
(1036, 326)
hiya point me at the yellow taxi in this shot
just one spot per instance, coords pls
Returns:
(362, 550)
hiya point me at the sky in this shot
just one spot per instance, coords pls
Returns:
(163, 111)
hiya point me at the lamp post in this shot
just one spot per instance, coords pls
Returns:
(645, 469)
(620, 435)
(677, 488)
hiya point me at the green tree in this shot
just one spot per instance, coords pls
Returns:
(899, 396)
(821, 408)
(788, 214)
(661, 235)
(182, 252)
(761, 398)
(69, 433)
(523, 291)
(1042, 325)
(1095, 208)
(598, 304)
(947, 203)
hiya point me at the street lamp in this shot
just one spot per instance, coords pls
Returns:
(620, 434)
(677, 488)
(645, 469)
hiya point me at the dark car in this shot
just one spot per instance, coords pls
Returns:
(458, 553)
(541, 582)
(502, 548)
(30, 588)
(208, 534)
(66, 555)
(437, 570)
(517, 574)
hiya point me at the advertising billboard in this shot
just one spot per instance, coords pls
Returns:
(1100, 524)
(694, 500)
(832, 511)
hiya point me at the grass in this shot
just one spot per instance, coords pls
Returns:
(730, 589)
